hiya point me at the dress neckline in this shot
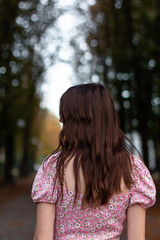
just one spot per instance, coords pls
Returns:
(72, 193)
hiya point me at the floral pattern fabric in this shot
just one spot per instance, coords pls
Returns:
(104, 222)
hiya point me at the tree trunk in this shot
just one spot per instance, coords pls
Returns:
(143, 130)
(157, 58)
(25, 158)
(138, 85)
(9, 155)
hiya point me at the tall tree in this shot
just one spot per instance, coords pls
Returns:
(23, 25)
(123, 41)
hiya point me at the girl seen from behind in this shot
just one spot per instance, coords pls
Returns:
(92, 182)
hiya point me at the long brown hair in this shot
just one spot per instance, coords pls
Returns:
(91, 133)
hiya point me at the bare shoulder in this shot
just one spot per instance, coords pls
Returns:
(124, 188)
(69, 177)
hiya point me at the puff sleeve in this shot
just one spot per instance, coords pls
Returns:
(143, 190)
(46, 186)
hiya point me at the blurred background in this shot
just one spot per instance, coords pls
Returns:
(47, 46)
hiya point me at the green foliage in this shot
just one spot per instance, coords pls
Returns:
(123, 40)
(23, 25)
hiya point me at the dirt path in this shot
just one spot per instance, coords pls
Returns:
(17, 212)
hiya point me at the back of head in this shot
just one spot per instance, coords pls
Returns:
(89, 117)
(92, 134)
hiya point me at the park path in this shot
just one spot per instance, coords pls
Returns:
(18, 213)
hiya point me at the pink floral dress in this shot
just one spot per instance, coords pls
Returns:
(104, 222)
